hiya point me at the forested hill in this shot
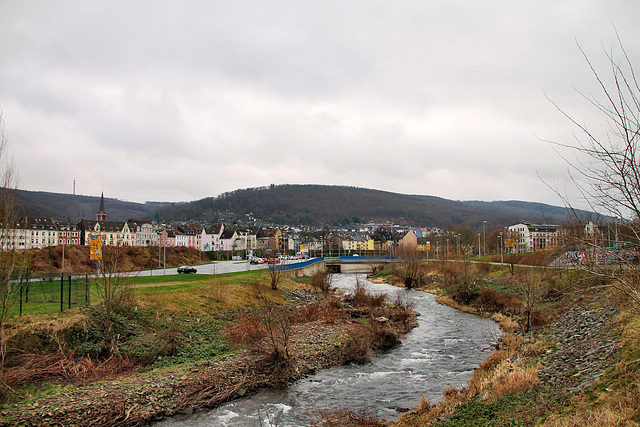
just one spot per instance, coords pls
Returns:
(70, 207)
(299, 205)
(321, 204)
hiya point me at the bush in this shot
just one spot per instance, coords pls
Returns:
(362, 297)
(364, 338)
(496, 302)
(321, 281)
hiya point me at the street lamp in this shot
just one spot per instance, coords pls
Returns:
(484, 237)
(479, 247)
(501, 251)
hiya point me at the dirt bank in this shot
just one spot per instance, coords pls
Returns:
(151, 396)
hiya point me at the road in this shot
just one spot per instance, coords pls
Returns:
(216, 267)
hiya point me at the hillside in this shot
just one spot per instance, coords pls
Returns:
(69, 207)
(320, 204)
(310, 205)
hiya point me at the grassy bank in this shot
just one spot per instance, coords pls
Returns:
(552, 366)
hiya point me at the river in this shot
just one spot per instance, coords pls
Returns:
(442, 351)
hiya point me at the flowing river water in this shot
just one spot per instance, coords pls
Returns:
(442, 351)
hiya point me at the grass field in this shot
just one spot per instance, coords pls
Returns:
(44, 297)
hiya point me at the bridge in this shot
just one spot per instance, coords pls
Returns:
(340, 264)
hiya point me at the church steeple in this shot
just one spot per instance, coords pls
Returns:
(101, 215)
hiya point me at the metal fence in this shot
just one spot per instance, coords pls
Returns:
(50, 294)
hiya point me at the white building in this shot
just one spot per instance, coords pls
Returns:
(533, 237)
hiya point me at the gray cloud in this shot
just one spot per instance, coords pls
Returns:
(156, 100)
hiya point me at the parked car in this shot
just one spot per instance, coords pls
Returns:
(186, 270)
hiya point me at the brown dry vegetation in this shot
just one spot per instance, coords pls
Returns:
(505, 389)
(48, 261)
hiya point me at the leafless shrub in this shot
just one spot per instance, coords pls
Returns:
(361, 296)
(36, 368)
(493, 301)
(321, 280)
(410, 267)
(114, 291)
(13, 260)
(276, 322)
(531, 287)
(364, 339)
(402, 311)
(345, 417)
(605, 174)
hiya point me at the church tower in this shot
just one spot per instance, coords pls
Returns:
(101, 215)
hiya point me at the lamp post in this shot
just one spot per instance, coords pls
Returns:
(484, 238)
(501, 251)
(479, 247)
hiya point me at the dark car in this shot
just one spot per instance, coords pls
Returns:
(186, 270)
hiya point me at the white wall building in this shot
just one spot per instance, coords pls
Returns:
(533, 237)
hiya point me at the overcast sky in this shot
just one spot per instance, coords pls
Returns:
(181, 100)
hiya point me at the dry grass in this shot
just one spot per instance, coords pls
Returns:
(76, 257)
(505, 378)
(445, 300)
(507, 324)
(38, 368)
(345, 418)
(45, 324)
(598, 417)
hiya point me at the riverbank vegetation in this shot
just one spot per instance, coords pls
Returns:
(223, 335)
(568, 355)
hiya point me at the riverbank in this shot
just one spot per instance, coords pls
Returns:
(576, 364)
(311, 334)
(161, 393)
(537, 378)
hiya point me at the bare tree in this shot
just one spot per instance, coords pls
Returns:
(113, 289)
(531, 286)
(275, 321)
(275, 272)
(608, 177)
(321, 280)
(410, 267)
(12, 258)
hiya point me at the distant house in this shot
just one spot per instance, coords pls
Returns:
(68, 233)
(527, 237)
(268, 240)
(113, 233)
(197, 230)
(16, 236)
(410, 240)
(186, 237)
(166, 238)
(229, 241)
(210, 237)
(41, 232)
(145, 233)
